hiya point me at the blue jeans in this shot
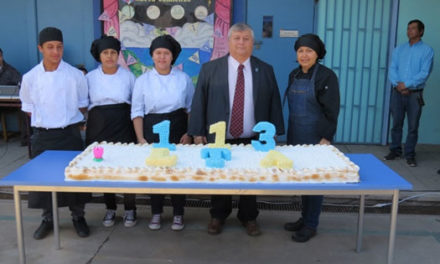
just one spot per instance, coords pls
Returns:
(311, 209)
(401, 105)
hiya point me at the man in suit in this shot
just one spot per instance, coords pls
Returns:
(241, 90)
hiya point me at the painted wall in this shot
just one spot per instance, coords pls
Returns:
(25, 18)
(426, 11)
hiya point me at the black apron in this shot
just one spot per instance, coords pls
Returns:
(178, 125)
(110, 123)
(68, 138)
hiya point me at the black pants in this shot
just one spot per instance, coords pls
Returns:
(177, 201)
(178, 127)
(221, 205)
(68, 138)
(129, 201)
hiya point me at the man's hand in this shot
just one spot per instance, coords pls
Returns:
(185, 139)
(200, 140)
(401, 88)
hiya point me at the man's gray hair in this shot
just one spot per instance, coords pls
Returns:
(240, 27)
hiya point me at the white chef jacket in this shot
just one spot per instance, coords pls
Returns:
(106, 89)
(154, 93)
(54, 97)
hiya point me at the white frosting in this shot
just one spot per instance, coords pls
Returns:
(127, 162)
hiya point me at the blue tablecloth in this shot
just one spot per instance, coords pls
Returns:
(48, 170)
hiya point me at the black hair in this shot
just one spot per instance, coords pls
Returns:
(420, 25)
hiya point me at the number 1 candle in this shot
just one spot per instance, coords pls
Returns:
(219, 129)
(163, 129)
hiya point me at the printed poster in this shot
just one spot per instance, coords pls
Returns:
(200, 26)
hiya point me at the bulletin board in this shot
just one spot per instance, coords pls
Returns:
(200, 26)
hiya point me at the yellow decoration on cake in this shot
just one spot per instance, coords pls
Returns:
(276, 159)
(160, 157)
(219, 129)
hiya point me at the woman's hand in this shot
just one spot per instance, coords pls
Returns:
(185, 139)
(142, 141)
(324, 142)
(200, 140)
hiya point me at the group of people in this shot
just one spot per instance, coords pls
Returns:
(237, 88)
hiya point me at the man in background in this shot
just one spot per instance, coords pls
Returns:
(410, 68)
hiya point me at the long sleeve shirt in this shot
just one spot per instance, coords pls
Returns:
(411, 64)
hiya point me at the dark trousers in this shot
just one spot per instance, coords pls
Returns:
(177, 201)
(221, 205)
(409, 105)
(311, 209)
(68, 138)
(76, 210)
(178, 126)
(129, 201)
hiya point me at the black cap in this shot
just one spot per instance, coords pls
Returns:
(103, 43)
(50, 34)
(312, 41)
(167, 42)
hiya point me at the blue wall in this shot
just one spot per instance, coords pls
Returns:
(25, 18)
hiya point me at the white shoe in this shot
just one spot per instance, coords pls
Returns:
(155, 222)
(109, 218)
(177, 223)
(130, 218)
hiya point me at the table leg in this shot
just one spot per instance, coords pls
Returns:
(19, 223)
(56, 228)
(392, 238)
(360, 228)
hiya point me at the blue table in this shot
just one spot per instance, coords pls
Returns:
(46, 173)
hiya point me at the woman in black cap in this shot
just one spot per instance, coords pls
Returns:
(163, 93)
(313, 97)
(110, 90)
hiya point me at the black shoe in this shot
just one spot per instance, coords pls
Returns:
(304, 234)
(392, 156)
(294, 226)
(411, 162)
(438, 172)
(43, 230)
(81, 227)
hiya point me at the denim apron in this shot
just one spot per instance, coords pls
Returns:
(304, 111)
(304, 115)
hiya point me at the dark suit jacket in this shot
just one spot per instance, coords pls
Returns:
(210, 103)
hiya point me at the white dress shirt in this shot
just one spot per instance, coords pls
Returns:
(248, 114)
(106, 89)
(154, 93)
(54, 97)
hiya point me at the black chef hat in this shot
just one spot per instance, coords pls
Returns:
(312, 41)
(103, 43)
(167, 42)
(50, 34)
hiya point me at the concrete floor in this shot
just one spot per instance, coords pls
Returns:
(417, 240)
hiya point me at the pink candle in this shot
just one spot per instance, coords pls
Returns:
(98, 152)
